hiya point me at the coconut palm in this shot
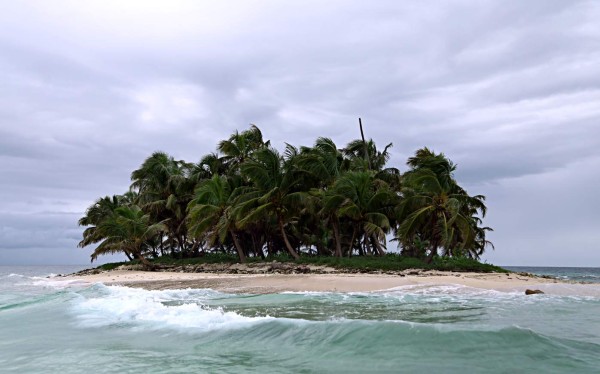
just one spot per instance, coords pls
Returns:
(273, 192)
(240, 146)
(101, 210)
(246, 196)
(365, 156)
(366, 202)
(438, 164)
(432, 211)
(436, 209)
(164, 191)
(324, 162)
(209, 165)
(210, 213)
(127, 230)
(322, 165)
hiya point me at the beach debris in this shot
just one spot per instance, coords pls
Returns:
(533, 292)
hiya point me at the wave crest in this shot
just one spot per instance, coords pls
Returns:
(180, 309)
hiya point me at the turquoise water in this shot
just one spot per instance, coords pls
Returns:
(587, 275)
(49, 326)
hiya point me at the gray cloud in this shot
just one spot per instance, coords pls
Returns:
(510, 91)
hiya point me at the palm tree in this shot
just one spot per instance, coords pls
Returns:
(431, 210)
(365, 157)
(164, 191)
(247, 195)
(324, 162)
(127, 230)
(322, 165)
(480, 240)
(210, 213)
(101, 210)
(273, 192)
(240, 146)
(367, 202)
(438, 164)
(208, 166)
(436, 209)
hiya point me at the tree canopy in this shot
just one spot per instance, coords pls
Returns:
(249, 199)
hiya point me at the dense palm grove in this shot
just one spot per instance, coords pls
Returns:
(250, 200)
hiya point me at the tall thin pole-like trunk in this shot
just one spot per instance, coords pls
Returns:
(286, 241)
(362, 134)
(239, 248)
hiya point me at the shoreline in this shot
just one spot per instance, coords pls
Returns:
(331, 282)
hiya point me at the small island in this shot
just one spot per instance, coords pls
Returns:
(246, 218)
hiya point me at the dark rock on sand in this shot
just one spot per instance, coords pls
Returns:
(533, 292)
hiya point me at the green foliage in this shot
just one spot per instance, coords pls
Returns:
(389, 262)
(247, 201)
(212, 258)
(114, 265)
(465, 264)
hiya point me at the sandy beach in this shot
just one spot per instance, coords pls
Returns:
(274, 283)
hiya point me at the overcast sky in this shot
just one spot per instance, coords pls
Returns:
(509, 90)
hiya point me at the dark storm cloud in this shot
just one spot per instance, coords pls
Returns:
(510, 91)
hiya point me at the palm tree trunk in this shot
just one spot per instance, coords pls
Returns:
(147, 264)
(196, 248)
(181, 241)
(351, 248)
(432, 253)
(240, 251)
(336, 235)
(286, 241)
(270, 252)
(257, 246)
(361, 245)
(434, 242)
(378, 248)
(128, 255)
(162, 245)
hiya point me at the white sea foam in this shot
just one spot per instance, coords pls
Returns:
(57, 282)
(449, 289)
(179, 309)
(14, 275)
(307, 293)
(456, 290)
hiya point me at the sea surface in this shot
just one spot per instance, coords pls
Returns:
(52, 326)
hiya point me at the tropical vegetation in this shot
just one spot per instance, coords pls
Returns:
(249, 200)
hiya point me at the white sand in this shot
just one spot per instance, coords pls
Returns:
(272, 283)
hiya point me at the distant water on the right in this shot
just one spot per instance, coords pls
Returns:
(588, 275)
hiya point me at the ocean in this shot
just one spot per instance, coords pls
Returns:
(51, 326)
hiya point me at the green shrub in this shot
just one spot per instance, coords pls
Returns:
(389, 262)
